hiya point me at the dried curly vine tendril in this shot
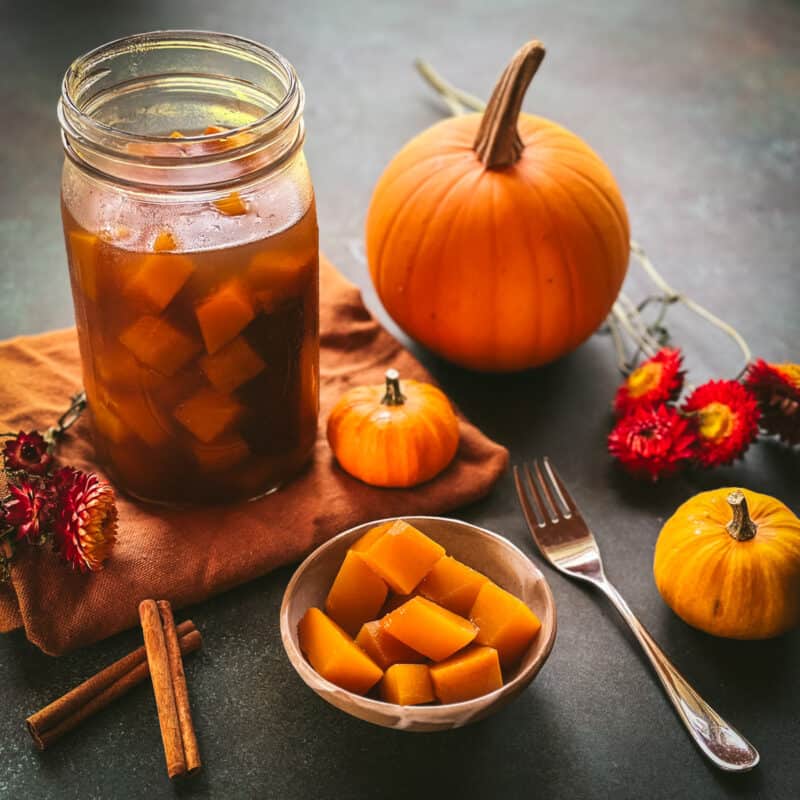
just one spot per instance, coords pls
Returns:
(626, 317)
(67, 419)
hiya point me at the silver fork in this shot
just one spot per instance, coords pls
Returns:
(564, 539)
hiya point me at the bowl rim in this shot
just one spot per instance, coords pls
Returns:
(309, 674)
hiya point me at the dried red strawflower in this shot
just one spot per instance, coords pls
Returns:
(654, 381)
(777, 387)
(29, 509)
(725, 415)
(653, 441)
(27, 452)
(86, 519)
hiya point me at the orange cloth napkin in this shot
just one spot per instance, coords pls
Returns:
(185, 555)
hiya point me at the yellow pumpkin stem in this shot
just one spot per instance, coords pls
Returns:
(393, 396)
(498, 143)
(741, 527)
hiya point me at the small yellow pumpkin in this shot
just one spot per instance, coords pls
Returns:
(728, 563)
(388, 437)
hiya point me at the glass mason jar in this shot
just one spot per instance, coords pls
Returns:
(191, 235)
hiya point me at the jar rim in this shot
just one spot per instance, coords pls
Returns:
(79, 125)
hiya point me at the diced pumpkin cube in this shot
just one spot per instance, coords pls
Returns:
(356, 595)
(370, 537)
(504, 622)
(221, 455)
(134, 410)
(383, 648)
(231, 205)
(473, 673)
(116, 366)
(107, 423)
(208, 413)
(407, 685)
(453, 585)
(236, 140)
(158, 344)
(84, 249)
(276, 275)
(159, 278)
(164, 241)
(395, 600)
(235, 364)
(176, 135)
(224, 315)
(428, 628)
(334, 655)
(403, 556)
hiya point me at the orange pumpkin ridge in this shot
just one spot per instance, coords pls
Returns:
(499, 241)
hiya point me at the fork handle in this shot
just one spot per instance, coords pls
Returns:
(718, 740)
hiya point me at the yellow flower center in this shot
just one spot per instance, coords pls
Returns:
(791, 372)
(716, 421)
(644, 379)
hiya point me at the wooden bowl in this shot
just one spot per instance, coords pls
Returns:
(487, 552)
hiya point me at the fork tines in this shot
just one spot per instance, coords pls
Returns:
(553, 501)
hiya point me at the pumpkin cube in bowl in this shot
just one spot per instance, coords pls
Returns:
(357, 594)
(470, 674)
(403, 556)
(395, 600)
(383, 648)
(428, 628)
(504, 622)
(407, 685)
(453, 585)
(370, 537)
(334, 655)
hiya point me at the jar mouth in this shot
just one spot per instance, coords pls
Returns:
(180, 98)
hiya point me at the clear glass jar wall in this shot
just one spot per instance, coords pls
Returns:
(192, 240)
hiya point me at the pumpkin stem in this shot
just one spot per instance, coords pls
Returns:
(393, 396)
(741, 527)
(498, 143)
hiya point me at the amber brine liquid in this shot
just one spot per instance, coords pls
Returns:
(200, 364)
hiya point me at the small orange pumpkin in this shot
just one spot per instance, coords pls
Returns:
(728, 562)
(499, 241)
(388, 437)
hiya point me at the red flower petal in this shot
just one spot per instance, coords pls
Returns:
(27, 452)
(86, 520)
(654, 381)
(29, 509)
(652, 442)
(725, 416)
(777, 388)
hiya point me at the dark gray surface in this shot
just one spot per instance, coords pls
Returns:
(695, 108)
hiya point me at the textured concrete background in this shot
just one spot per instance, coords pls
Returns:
(694, 105)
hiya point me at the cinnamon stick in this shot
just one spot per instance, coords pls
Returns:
(190, 749)
(93, 695)
(161, 678)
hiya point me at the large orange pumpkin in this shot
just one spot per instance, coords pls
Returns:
(500, 241)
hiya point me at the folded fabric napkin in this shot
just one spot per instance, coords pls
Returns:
(187, 555)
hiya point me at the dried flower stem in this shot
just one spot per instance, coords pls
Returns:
(625, 316)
